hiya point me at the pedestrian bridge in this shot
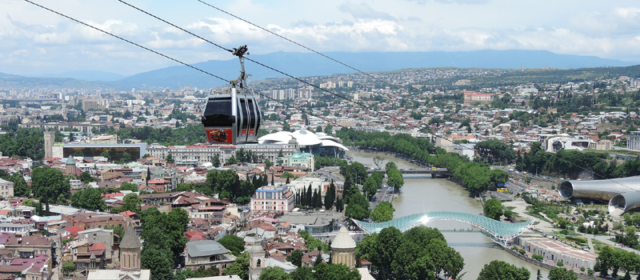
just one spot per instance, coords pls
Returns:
(498, 231)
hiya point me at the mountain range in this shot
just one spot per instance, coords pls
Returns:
(310, 64)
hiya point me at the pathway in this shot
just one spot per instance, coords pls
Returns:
(591, 248)
(520, 208)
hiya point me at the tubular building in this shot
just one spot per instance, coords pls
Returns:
(623, 194)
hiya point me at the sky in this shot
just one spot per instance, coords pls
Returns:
(35, 41)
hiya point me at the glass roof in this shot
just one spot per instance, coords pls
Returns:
(498, 230)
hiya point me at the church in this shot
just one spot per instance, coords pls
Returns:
(130, 252)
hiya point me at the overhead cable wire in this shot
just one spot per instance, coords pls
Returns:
(123, 39)
(223, 79)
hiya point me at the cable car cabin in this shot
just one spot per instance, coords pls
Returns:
(232, 118)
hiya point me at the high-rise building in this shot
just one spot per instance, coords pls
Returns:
(49, 140)
(89, 104)
(304, 93)
(349, 84)
(290, 93)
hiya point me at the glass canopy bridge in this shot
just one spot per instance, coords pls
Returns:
(498, 231)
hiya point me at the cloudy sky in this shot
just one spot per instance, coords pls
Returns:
(34, 41)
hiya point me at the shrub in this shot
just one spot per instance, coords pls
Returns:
(582, 269)
(515, 248)
(590, 272)
(522, 251)
(537, 257)
(560, 264)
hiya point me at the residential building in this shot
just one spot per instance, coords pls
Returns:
(29, 246)
(304, 161)
(158, 185)
(207, 253)
(272, 198)
(472, 96)
(89, 104)
(6, 189)
(130, 256)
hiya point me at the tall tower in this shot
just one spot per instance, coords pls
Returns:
(49, 139)
(343, 249)
(130, 250)
(256, 261)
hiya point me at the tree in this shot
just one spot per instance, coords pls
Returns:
(240, 267)
(129, 187)
(215, 161)
(85, 177)
(303, 273)
(170, 159)
(267, 164)
(330, 196)
(126, 157)
(232, 160)
(502, 270)
(336, 272)
(274, 273)
(370, 187)
(328, 129)
(48, 184)
(358, 207)
(131, 203)
(68, 267)
(319, 129)
(296, 258)
(378, 161)
(156, 255)
(561, 273)
(493, 209)
(20, 187)
(383, 212)
(78, 153)
(233, 243)
(146, 155)
(89, 198)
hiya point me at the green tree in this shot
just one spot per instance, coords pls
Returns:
(502, 270)
(146, 155)
(328, 129)
(240, 267)
(126, 157)
(319, 129)
(20, 187)
(370, 187)
(330, 196)
(358, 207)
(296, 258)
(267, 164)
(48, 184)
(233, 243)
(156, 255)
(274, 273)
(383, 212)
(170, 159)
(303, 273)
(215, 161)
(561, 273)
(78, 153)
(68, 267)
(336, 272)
(89, 198)
(85, 177)
(493, 209)
(131, 203)
(232, 160)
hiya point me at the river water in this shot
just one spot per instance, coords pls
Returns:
(424, 195)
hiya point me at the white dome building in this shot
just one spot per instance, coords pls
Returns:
(319, 143)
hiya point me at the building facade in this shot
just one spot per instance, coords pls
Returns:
(270, 198)
(49, 140)
(194, 155)
(472, 96)
(633, 140)
(6, 189)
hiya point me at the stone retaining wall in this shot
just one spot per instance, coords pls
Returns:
(544, 265)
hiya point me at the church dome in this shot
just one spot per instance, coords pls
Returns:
(343, 240)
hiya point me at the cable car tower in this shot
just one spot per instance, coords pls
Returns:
(233, 116)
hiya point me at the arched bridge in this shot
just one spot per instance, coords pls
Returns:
(437, 172)
(499, 231)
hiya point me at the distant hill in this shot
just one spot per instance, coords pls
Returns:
(7, 75)
(92, 76)
(309, 64)
(28, 82)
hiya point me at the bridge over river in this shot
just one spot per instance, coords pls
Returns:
(499, 232)
(414, 172)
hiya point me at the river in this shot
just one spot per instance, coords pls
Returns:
(424, 195)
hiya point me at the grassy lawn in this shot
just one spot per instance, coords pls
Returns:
(537, 215)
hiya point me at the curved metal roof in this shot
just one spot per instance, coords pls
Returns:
(599, 189)
(499, 230)
(303, 137)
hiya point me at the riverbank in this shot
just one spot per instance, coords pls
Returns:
(426, 195)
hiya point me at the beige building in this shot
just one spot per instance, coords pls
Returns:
(89, 104)
(256, 261)
(603, 145)
(6, 189)
(104, 139)
(343, 249)
(49, 140)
